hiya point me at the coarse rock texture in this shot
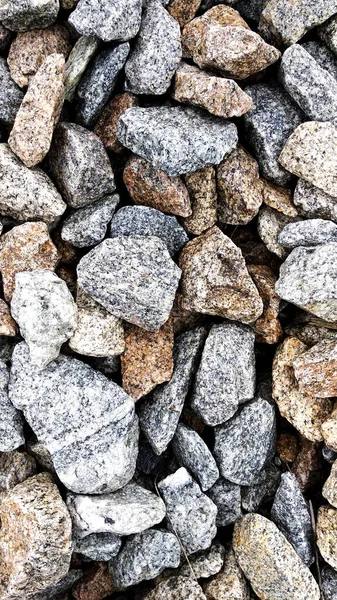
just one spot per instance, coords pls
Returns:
(230, 583)
(192, 453)
(329, 491)
(27, 247)
(304, 411)
(280, 198)
(80, 166)
(205, 563)
(201, 187)
(177, 586)
(144, 556)
(10, 95)
(160, 413)
(87, 226)
(253, 496)
(308, 465)
(46, 313)
(312, 232)
(287, 447)
(5, 37)
(152, 187)
(11, 424)
(226, 374)
(86, 422)
(58, 590)
(22, 15)
(269, 226)
(227, 498)
(7, 324)
(325, 58)
(326, 534)
(15, 467)
(35, 540)
(106, 125)
(183, 12)
(131, 509)
(118, 20)
(268, 328)
(270, 563)
(147, 360)
(312, 202)
(329, 430)
(190, 513)
(98, 546)
(176, 139)
(246, 443)
(315, 369)
(95, 585)
(215, 279)
(329, 583)
(327, 33)
(78, 60)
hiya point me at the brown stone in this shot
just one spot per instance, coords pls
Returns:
(35, 538)
(27, 247)
(229, 584)
(147, 360)
(201, 187)
(268, 326)
(15, 467)
(95, 585)
(189, 418)
(287, 447)
(30, 48)
(183, 11)
(67, 252)
(256, 253)
(68, 4)
(304, 411)
(106, 125)
(239, 188)
(316, 369)
(308, 465)
(221, 97)
(279, 198)
(329, 491)
(326, 534)
(68, 274)
(39, 112)
(215, 279)
(151, 187)
(329, 430)
(7, 324)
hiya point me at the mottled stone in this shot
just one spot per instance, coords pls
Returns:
(78, 60)
(95, 585)
(280, 198)
(230, 583)
(21, 15)
(87, 226)
(119, 20)
(191, 452)
(329, 491)
(287, 447)
(329, 583)
(315, 369)
(310, 330)
(10, 95)
(227, 498)
(11, 424)
(205, 563)
(312, 202)
(176, 139)
(98, 546)
(267, 327)
(327, 32)
(253, 496)
(329, 455)
(58, 590)
(201, 187)
(15, 467)
(106, 125)
(308, 233)
(329, 429)
(308, 466)
(269, 226)
(326, 534)
(35, 538)
(7, 324)
(183, 12)
(41, 455)
(325, 58)
(182, 587)
(250, 9)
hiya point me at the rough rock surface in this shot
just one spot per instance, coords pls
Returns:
(310, 201)
(78, 60)
(229, 583)
(330, 487)
(201, 186)
(15, 467)
(5, 37)
(184, 588)
(11, 425)
(96, 584)
(308, 233)
(205, 563)
(192, 453)
(280, 198)
(329, 583)
(253, 496)
(10, 95)
(21, 15)
(326, 532)
(267, 327)
(227, 498)
(315, 369)
(119, 20)
(7, 324)
(59, 590)
(327, 33)
(106, 125)
(183, 12)
(321, 53)
(98, 546)
(269, 226)
(87, 226)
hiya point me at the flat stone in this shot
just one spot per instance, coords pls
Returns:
(329, 430)
(315, 369)
(15, 467)
(269, 226)
(130, 510)
(11, 425)
(226, 374)
(144, 556)
(80, 166)
(191, 514)
(95, 585)
(35, 538)
(329, 491)
(267, 327)
(280, 198)
(21, 15)
(78, 60)
(268, 125)
(304, 411)
(183, 12)
(147, 360)
(227, 498)
(253, 496)
(192, 453)
(184, 588)
(205, 563)
(118, 21)
(270, 563)
(106, 125)
(229, 583)
(86, 421)
(152, 187)
(57, 590)
(87, 226)
(312, 232)
(325, 58)
(246, 443)
(312, 202)
(10, 96)
(7, 324)
(98, 83)
(327, 32)
(215, 279)
(176, 139)
(98, 546)
(329, 583)
(326, 534)
(201, 187)
(308, 465)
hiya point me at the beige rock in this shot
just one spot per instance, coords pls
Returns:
(68, 4)
(329, 430)
(201, 187)
(15, 467)
(269, 226)
(326, 532)
(183, 11)
(229, 584)
(329, 491)
(279, 198)
(7, 324)
(268, 327)
(315, 370)
(107, 123)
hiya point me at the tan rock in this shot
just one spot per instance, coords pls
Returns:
(35, 538)
(308, 466)
(151, 187)
(26, 247)
(269, 226)
(15, 467)
(287, 447)
(147, 360)
(316, 369)
(229, 584)
(107, 123)
(326, 532)
(39, 112)
(7, 324)
(329, 430)
(201, 187)
(68, 4)
(329, 491)
(215, 279)
(268, 326)
(279, 198)
(95, 585)
(183, 11)
(304, 411)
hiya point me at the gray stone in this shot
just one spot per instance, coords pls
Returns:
(130, 510)
(98, 546)
(22, 15)
(310, 201)
(176, 587)
(246, 443)
(142, 220)
(205, 563)
(190, 513)
(329, 455)
(109, 365)
(77, 62)
(11, 423)
(226, 375)
(159, 414)
(80, 166)
(250, 9)
(325, 58)
(269, 226)
(117, 20)
(5, 38)
(56, 591)
(98, 83)
(291, 513)
(227, 498)
(10, 95)
(268, 125)
(86, 421)
(329, 583)
(133, 278)
(144, 556)
(328, 33)
(176, 139)
(87, 226)
(157, 52)
(253, 496)
(41, 455)
(191, 452)
(45, 311)
(308, 233)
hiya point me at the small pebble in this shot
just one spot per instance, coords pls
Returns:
(192, 453)
(87, 226)
(119, 20)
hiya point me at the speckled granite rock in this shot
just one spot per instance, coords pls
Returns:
(183, 12)
(329, 491)
(325, 58)
(229, 583)
(201, 186)
(78, 60)
(10, 95)
(11, 425)
(329, 583)
(175, 139)
(58, 591)
(315, 369)
(267, 327)
(98, 546)
(192, 453)
(117, 21)
(269, 226)
(87, 226)
(326, 534)
(95, 585)
(310, 201)
(312, 232)
(184, 588)
(253, 496)
(280, 198)
(106, 125)
(7, 324)
(205, 563)
(21, 15)
(15, 467)
(227, 498)
(328, 33)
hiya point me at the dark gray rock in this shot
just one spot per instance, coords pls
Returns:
(148, 461)
(191, 452)
(118, 20)
(268, 125)
(133, 278)
(253, 496)
(98, 546)
(79, 165)
(86, 421)
(226, 375)
(98, 83)
(329, 455)
(11, 423)
(190, 513)
(205, 563)
(176, 139)
(56, 591)
(109, 365)
(10, 95)
(246, 443)
(308, 233)
(291, 513)
(88, 226)
(321, 53)
(21, 15)
(142, 220)
(310, 201)
(227, 498)
(144, 556)
(250, 9)
(329, 583)
(159, 414)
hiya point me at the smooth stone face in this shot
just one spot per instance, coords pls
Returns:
(98, 546)
(229, 583)
(117, 20)
(205, 563)
(329, 583)
(87, 226)
(22, 15)
(310, 201)
(226, 375)
(325, 58)
(144, 556)
(175, 139)
(86, 422)
(269, 226)
(184, 588)
(191, 452)
(227, 498)
(312, 232)
(10, 96)
(191, 514)
(11, 425)
(15, 467)
(201, 187)
(326, 532)
(78, 60)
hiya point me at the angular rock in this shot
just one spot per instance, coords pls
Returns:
(329, 583)
(106, 125)
(119, 20)
(267, 327)
(201, 187)
(95, 585)
(325, 58)
(176, 139)
(86, 422)
(329, 455)
(7, 324)
(308, 465)
(227, 498)
(57, 590)
(10, 96)
(11, 425)
(269, 226)
(329, 491)
(190, 513)
(326, 534)
(5, 37)
(78, 60)
(279, 198)
(184, 588)
(229, 583)
(192, 453)
(315, 369)
(98, 546)
(329, 430)
(21, 15)
(312, 232)
(183, 12)
(41, 455)
(15, 467)
(251, 9)
(312, 202)
(327, 33)
(205, 563)
(254, 496)
(87, 226)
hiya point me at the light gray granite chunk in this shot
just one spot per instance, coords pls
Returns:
(86, 421)
(310, 201)
(177, 587)
(98, 546)
(191, 452)
(176, 139)
(11, 422)
(328, 33)
(254, 495)
(190, 513)
(329, 583)
(77, 62)
(87, 226)
(321, 53)
(10, 95)
(308, 233)
(159, 414)
(270, 223)
(227, 498)
(109, 20)
(57, 591)
(22, 15)
(226, 375)
(205, 563)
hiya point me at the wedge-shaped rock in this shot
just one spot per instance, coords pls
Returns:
(87, 226)
(227, 498)
(22, 15)
(78, 60)
(201, 186)
(118, 20)
(229, 583)
(312, 202)
(312, 232)
(11, 425)
(191, 452)
(267, 327)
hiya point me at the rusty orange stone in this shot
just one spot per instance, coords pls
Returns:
(106, 126)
